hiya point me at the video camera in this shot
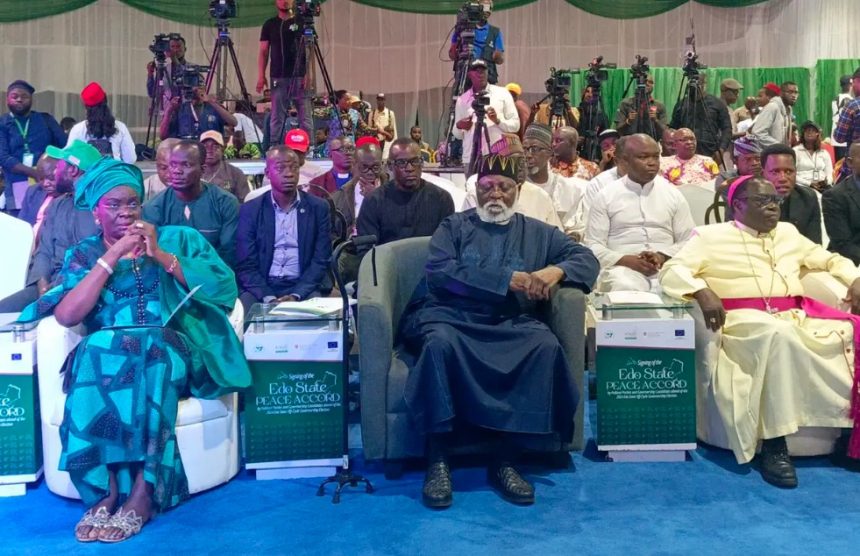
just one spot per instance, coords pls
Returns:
(640, 68)
(480, 102)
(306, 11)
(597, 73)
(471, 15)
(188, 79)
(559, 82)
(692, 67)
(222, 9)
(161, 45)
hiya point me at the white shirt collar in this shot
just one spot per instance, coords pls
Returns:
(755, 233)
(638, 188)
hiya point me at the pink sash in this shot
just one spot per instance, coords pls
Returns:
(818, 310)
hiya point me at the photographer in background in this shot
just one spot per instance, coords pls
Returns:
(187, 119)
(488, 44)
(279, 39)
(705, 114)
(628, 112)
(177, 62)
(501, 112)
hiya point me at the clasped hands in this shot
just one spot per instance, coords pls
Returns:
(139, 239)
(536, 285)
(646, 262)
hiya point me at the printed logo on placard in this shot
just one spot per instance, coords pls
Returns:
(8, 403)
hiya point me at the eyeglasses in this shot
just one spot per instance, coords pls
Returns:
(404, 162)
(535, 150)
(344, 149)
(762, 201)
(375, 168)
(114, 206)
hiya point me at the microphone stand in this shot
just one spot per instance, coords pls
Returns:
(344, 475)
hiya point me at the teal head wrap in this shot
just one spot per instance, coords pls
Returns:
(103, 176)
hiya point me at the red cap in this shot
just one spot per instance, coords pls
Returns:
(297, 140)
(93, 94)
(367, 140)
(773, 88)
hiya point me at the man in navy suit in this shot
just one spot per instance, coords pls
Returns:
(283, 242)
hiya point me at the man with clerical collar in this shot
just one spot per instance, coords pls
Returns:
(800, 203)
(188, 201)
(685, 167)
(566, 160)
(24, 136)
(567, 194)
(784, 361)
(841, 207)
(407, 206)
(341, 148)
(638, 222)
(484, 360)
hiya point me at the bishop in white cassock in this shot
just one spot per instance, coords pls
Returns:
(784, 361)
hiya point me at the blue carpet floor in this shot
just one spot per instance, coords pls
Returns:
(709, 505)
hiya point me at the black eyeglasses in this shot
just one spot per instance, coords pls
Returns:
(404, 162)
(535, 149)
(344, 149)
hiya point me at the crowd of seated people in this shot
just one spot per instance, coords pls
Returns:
(539, 213)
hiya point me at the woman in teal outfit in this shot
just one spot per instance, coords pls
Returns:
(127, 375)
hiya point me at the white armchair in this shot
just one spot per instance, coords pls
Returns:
(17, 247)
(807, 441)
(207, 431)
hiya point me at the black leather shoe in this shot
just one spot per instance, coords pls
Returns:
(438, 487)
(840, 458)
(775, 463)
(513, 488)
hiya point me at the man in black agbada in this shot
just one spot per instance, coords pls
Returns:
(483, 358)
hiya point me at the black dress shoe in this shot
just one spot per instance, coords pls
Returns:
(840, 458)
(513, 488)
(775, 463)
(438, 487)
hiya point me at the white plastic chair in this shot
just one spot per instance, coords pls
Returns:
(17, 246)
(207, 431)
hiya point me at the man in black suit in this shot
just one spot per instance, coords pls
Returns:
(799, 203)
(842, 210)
(283, 244)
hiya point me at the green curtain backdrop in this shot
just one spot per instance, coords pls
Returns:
(667, 83)
(827, 74)
(252, 13)
(19, 10)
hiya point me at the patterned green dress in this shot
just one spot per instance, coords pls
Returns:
(127, 376)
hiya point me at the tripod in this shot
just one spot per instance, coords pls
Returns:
(481, 134)
(692, 112)
(559, 112)
(592, 120)
(157, 102)
(218, 65)
(312, 56)
(344, 475)
(461, 70)
(643, 122)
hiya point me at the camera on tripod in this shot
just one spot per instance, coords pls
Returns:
(640, 68)
(470, 15)
(161, 45)
(692, 67)
(558, 83)
(598, 72)
(188, 79)
(306, 11)
(480, 102)
(222, 9)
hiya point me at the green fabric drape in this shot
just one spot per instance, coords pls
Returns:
(252, 13)
(667, 83)
(18, 10)
(827, 74)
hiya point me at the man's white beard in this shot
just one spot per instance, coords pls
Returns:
(501, 216)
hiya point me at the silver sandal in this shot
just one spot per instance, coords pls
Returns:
(95, 520)
(129, 523)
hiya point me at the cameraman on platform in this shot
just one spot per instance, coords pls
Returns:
(707, 116)
(279, 38)
(488, 44)
(501, 112)
(187, 119)
(177, 62)
(628, 113)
